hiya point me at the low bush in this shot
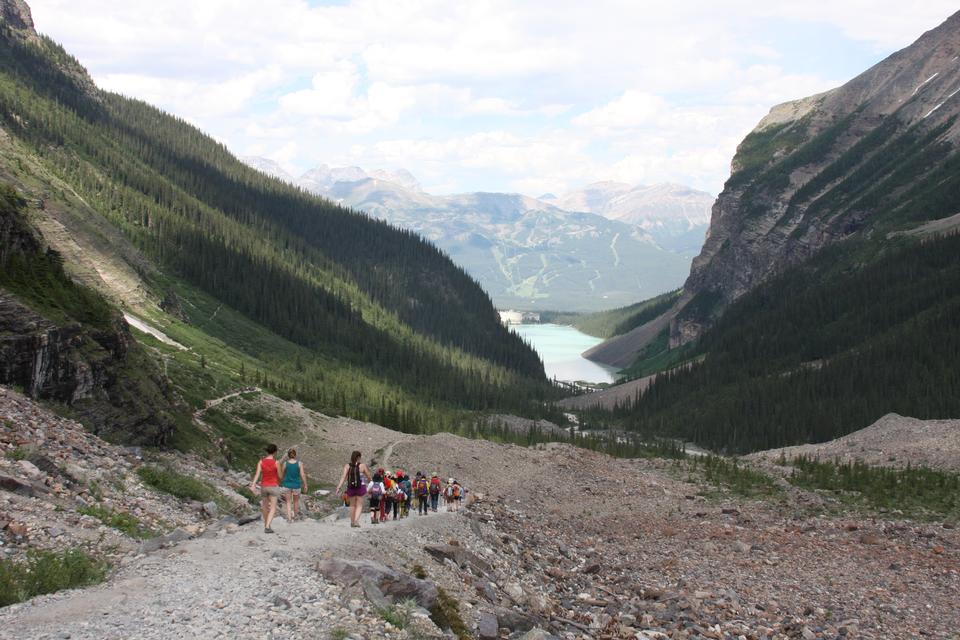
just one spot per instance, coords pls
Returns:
(916, 491)
(733, 476)
(124, 522)
(46, 572)
(181, 486)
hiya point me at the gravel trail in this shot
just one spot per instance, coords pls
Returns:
(238, 584)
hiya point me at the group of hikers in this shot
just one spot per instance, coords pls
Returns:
(389, 494)
(394, 493)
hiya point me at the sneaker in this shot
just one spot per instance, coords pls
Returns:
(267, 530)
(355, 524)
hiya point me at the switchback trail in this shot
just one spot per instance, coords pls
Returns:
(241, 583)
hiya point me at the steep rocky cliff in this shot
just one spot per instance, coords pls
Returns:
(873, 156)
(60, 341)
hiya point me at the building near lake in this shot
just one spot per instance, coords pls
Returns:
(518, 317)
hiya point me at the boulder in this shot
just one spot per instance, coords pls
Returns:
(153, 544)
(487, 626)
(462, 557)
(394, 585)
(19, 487)
(515, 620)
(210, 509)
(30, 470)
(538, 634)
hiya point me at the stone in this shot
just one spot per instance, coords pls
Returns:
(592, 568)
(153, 544)
(515, 620)
(869, 538)
(514, 590)
(247, 519)
(210, 509)
(487, 626)
(18, 486)
(17, 529)
(29, 469)
(394, 585)
(459, 555)
(538, 634)
(741, 547)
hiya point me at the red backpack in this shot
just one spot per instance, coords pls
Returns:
(434, 486)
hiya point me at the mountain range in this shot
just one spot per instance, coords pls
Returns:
(606, 245)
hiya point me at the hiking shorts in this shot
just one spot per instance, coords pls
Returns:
(271, 492)
(374, 503)
(294, 490)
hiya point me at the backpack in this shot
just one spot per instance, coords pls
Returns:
(353, 477)
(456, 491)
(450, 491)
(392, 491)
(422, 487)
(376, 489)
(434, 486)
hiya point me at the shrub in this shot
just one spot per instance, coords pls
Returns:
(124, 522)
(181, 486)
(46, 572)
(446, 615)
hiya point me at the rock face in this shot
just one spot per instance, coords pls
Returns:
(16, 13)
(876, 154)
(99, 371)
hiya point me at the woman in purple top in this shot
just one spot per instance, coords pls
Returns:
(354, 474)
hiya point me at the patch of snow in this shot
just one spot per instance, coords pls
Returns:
(137, 323)
(934, 109)
(923, 83)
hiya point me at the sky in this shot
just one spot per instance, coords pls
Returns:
(517, 96)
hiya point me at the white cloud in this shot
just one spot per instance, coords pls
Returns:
(497, 93)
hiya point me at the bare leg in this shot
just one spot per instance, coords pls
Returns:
(265, 509)
(296, 506)
(287, 501)
(272, 511)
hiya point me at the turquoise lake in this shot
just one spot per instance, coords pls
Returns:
(560, 347)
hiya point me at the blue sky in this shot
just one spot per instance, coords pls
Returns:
(530, 96)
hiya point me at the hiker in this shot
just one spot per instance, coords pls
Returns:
(448, 494)
(375, 491)
(270, 490)
(389, 495)
(399, 503)
(294, 482)
(457, 495)
(354, 474)
(434, 491)
(407, 487)
(423, 494)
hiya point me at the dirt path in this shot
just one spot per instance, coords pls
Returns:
(241, 584)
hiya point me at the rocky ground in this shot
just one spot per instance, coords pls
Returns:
(562, 542)
(892, 440)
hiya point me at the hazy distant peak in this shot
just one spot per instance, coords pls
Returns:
(269, 167)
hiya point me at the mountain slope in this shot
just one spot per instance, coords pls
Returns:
(401, 325)
(827, 292)
(876, 155)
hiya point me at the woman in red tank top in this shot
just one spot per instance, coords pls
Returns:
(270, 488)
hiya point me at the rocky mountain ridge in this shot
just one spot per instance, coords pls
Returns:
(877, 154)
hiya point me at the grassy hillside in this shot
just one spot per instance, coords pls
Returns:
(281, 287)
(614, 322)
(825, 348)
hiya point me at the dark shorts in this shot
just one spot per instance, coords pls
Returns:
(374, 502)
(356, 492)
